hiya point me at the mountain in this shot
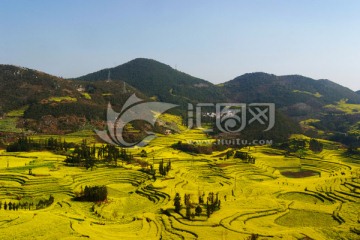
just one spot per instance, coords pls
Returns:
(49, 104)
(44, 103)
(160, 81)
(293, 94)
(358, 92)
(21, 86)
(323, 108)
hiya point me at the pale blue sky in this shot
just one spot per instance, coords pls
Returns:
(213, 40)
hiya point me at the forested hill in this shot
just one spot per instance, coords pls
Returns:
(293, 93)
(50, 104)
(22, 86)
(160, 81)
(288, 89)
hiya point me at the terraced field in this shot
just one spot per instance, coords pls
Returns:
(256, 199)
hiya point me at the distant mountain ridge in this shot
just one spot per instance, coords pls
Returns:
(260, 82)
(85, 98)
(160, 81)
(294, 94)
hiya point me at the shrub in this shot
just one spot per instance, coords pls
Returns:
(94, 193)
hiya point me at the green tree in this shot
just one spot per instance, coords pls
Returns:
(177, 203)
(168, 166)
(198, 210)
(162, 168)
(188, 212)
(143, 153)
(208, 210)
(315, 145)
(93, 194)
(253, 236)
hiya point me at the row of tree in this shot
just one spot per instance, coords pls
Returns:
(84, 155)
(93, 194)
(244, 156)
(212, 204)
(45, 203)
(11, 206)
(298, 146)
(27, 206)
(26, 144)
(163, 170)
(193, 148)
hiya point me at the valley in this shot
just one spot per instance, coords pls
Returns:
(257, 199)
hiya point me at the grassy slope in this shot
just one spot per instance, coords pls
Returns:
(345, 107)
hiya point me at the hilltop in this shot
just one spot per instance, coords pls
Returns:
(160, 81)
(294, 94)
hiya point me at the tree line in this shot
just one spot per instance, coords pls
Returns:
(82, 155)
(163, 170)
(93, 194)
(212, 204)
(85, 155)
(26, 205)
(245, 157)
(299, 146)
(27, 144)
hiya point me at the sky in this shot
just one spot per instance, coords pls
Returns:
(213, 40)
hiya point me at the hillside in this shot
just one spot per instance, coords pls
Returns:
(21, 86)
(48, 104)
(358, 92)
(266, 86)
(296, 95)
(160, 81)
(323, 108)
(43, 103)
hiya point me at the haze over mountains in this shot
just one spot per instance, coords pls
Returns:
(86, 97)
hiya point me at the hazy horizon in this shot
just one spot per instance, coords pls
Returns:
(206, 39)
